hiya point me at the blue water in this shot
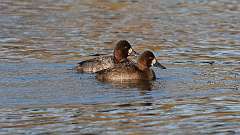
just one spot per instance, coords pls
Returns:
(41, 41)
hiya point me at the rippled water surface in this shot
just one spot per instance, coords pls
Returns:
(197, 40)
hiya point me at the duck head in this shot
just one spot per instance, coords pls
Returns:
(122, 50)
(147, 59)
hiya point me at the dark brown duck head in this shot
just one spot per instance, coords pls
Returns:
(147, 59)
(122, 50)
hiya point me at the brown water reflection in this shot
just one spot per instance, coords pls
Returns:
(197, 40)
(140, 84)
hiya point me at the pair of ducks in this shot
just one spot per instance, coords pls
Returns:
(118, 67)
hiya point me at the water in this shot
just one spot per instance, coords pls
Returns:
(197, 40)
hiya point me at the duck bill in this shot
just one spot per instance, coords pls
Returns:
(157, 64)
(132, 52)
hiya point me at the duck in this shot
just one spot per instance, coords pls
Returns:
(132, 71)
(122, 50)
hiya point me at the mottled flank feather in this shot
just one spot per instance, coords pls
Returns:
(96, 64)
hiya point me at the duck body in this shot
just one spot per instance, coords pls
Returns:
(97, 64)
(125, 71)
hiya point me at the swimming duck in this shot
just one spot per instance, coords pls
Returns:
(121, 51)
(131, 71)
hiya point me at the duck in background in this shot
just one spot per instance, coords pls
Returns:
(122, 50)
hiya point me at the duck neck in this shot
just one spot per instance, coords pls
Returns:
(117, 57)
(142, 67)
(116, 60)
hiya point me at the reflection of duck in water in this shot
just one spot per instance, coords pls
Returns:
(139, 84)
(122, 50)
(143, 86)
(129, 71)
